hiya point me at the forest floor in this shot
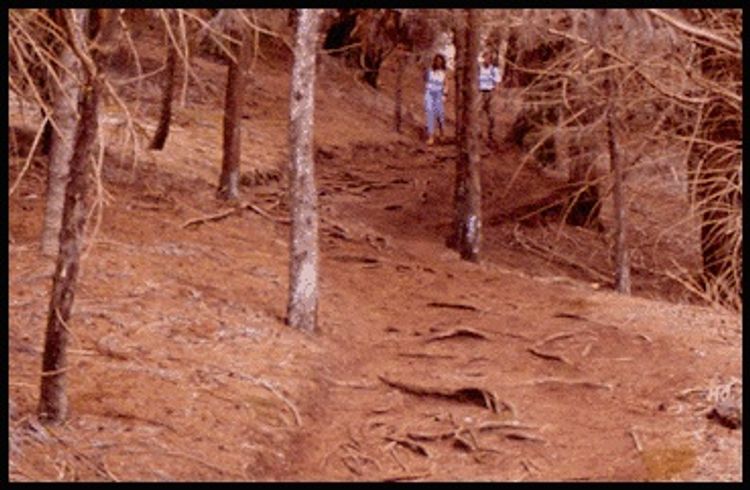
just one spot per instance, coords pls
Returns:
(425, 367)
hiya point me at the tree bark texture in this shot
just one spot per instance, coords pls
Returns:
(622, 255)
(62, 137)
(401, 59)
(469, 202)
(165, 112)
(53, 402)
(234, 100)
(460, 61)
(459, 41)
(302, 310)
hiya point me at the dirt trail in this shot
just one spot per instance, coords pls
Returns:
(452, 370)
(426, 367)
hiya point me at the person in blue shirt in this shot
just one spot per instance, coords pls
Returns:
(434, 97)
(489, 78)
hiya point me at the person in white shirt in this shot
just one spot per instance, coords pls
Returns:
(489, 78)
(434, 97)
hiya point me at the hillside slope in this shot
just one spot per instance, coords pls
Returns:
(425, 366)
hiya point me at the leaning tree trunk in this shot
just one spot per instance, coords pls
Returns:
(165, 113)
(302, 310)
(53, 402)
(233, 103)
(469, 191)
(65, 115)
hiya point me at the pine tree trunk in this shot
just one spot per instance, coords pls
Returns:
(234, 101)
(302, 310)
(53, 402)
(165, 113)
(460, 60)
(401, 60)
(469, 207)
(459, 40)
(502, 50)
(622, 255)
(65, 114)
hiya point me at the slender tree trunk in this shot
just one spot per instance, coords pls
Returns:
(165, 113)
(459, 41)
(401, 60)
(53, 402)
(622, 255)
(234, 101)
(302, 310)
(469, 207)
(65, 115)
(460, 61)
(502, 49)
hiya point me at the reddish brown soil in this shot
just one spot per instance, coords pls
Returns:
(182, 368)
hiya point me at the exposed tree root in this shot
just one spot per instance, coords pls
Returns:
(426, 355)
(584, 383)
(219, 216)
(410, 445)
(483, 427)
(210, 217)
(408, 477)
(356, 258)
(475, 396)
(458, 332)
(549, 356)
(458, 306)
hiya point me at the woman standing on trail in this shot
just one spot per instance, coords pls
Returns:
(489, 78)
(434, 96)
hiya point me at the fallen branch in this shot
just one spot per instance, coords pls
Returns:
(637, 443)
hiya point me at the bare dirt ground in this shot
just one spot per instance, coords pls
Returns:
(425, 367)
